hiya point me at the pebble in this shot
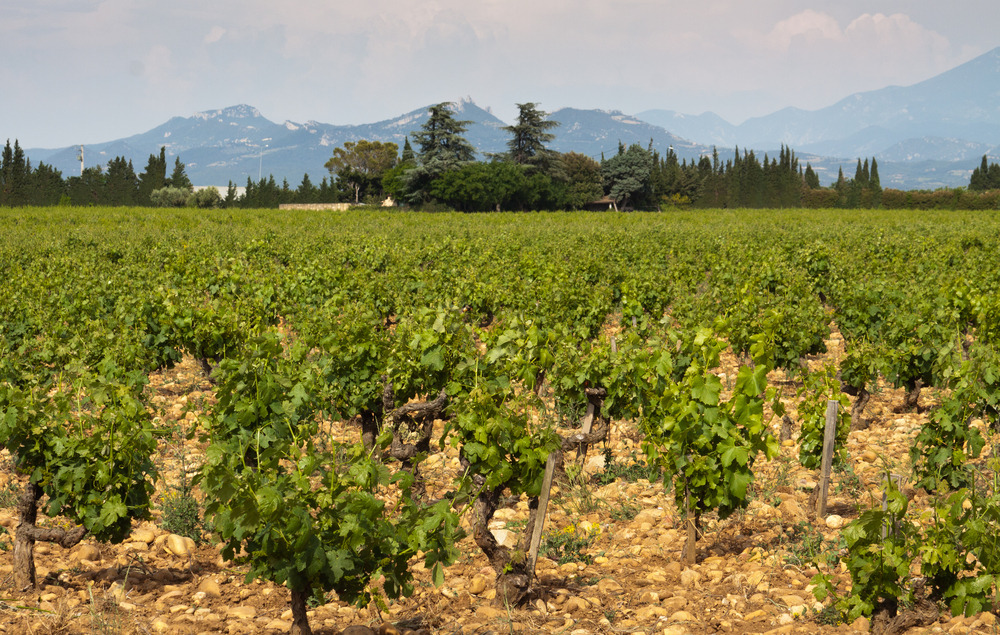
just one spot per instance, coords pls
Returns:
(833, 521)
(178, 546)
(791, 510)
(690, 578)
(681, 616)
(86, 552)
(279, 625)
(143, 535)
(477, 585)
(243, 612)
(210, 588)
(609, 586)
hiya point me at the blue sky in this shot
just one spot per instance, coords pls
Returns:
(87, 71)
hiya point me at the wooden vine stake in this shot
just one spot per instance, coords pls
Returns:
(829, 440)
(540, 512)
(690, 551)
(588, 425)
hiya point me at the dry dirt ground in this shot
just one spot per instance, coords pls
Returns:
(623, 573)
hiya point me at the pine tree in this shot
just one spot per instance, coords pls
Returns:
(442, 148)
(441, 141)
(307, 192)
(529, 136)
(179, 177)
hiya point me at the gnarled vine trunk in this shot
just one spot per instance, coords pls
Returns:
(858, 409)
(513, 576)
(419, 416)
(300, 621)
(912, 395)
(28, 534)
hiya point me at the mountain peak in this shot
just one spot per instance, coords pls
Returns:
(239, 111)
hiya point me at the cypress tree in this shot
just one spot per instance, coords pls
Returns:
(978, 182)
(230, 200)
(811, 179)
(46, 185)
(408, 156)
(153, 177)
(121, 184)
(859, 175)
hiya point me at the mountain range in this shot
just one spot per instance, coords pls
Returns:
(928, 135)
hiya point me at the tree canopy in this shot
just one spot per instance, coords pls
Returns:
(443, 148)
(360, 165)
(529, 136)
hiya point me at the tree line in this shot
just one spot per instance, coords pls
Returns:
(442, 172)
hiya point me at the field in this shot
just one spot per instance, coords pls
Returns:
(333, 402)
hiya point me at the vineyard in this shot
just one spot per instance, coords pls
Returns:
(249, 421)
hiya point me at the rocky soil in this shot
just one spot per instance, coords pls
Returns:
(620, 569)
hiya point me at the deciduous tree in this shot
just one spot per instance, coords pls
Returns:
(584, 177)
(626, 175)
(361, 164)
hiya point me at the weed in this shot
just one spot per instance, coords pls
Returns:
(569, 544)
(624, 512)
(580, 500)
(514, 525)
(830, 616)
(9, 494)
(182, 513)
(105, 615)
(766, 489)
(806, 546)
(181, 510)
(631, 471)
(848, 482)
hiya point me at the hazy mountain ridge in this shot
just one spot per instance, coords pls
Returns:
(927, 135)
(961, 105)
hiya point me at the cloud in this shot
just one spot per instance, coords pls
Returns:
(214, 35)
(355, 62)
(808, 25)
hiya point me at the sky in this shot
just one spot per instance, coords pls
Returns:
(90, 71)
